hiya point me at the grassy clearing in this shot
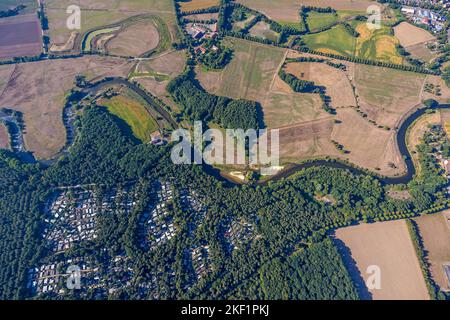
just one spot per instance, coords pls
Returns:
(319, 20)
(165, 39)
(262, 30)
(160, 77)
(299, 26)
(337, 39)
(134, 114)
(251, 71)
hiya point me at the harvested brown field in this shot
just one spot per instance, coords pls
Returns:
(135, 40)
(387, 245)
(386, 95)
(307, 141)
(410, 35)
(287, 109)
(38, 90)
(5, 74)
(171, 63)
(437, 82)
(420, 51)
(337, 84)
(158, 89)
(435, 232)
(301, 132)
(414, 40)
(20, 36)
(192, 5)
(288, 10)
(4, 137)
(251, 72)
(369, 146)
(210, 81)
(263, 30)
(203, 16)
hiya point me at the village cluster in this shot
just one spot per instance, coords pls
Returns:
(239, 233)
(72, 215)
(200, 32)
(434, 21)
(101, 279)
(156, 223)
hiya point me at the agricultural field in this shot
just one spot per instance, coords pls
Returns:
(414, 40)
(47, 83)
(287, 109)
(203, 16)
(338, 86)
(369, 146)
(262, 30)
(5, 74)
(98, 14)
(31, 5)
(192, 5)
(251, 72)
(387, 245)
(126, 44)
(287, 10)
(377, 45)
(155, 74)
(336, 40)
(410, 35)
(4, 137)
(386, 95)
(318, 20)
(120, 39)
(21, 36)
(370, 44)
(307, 130)
(238, 25)
(435, 233)
(129, 107)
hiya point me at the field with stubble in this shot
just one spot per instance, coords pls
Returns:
(38, 90)
(192, 5)
(135, 40)
(435, 232)
(414, 40)
(386, 95)
(4, 137)
(287, 10)
(20, 36)
(387, 245)
(338, 86)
